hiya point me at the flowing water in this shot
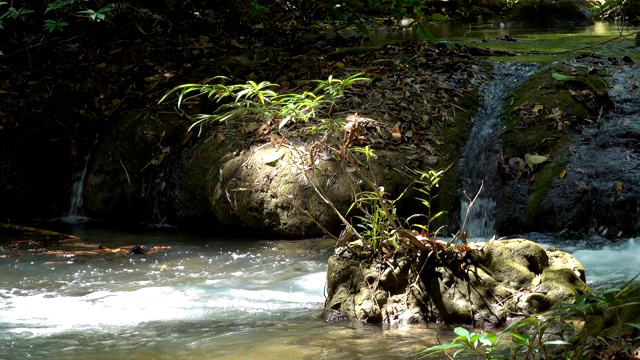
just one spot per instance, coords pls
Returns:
(76, 213)
(206, 298)
(478, 166)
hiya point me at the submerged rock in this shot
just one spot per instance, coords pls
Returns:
(503, 281)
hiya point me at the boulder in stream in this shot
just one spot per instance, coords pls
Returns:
(487, 284)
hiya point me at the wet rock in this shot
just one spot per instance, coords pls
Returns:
(505, 281)
(138, 250)
(591, 185)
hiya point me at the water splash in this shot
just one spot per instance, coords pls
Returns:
(481, 156)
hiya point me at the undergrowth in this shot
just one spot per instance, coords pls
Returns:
(596, 326)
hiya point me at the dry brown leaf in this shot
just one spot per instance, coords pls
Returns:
(395, 133)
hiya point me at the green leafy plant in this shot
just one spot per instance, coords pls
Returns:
(58, 4)
(96, 16)
(561, 333)
(52, 25)
(16, 14)
(467, 344)
(257, 7)
(261, 101)
(426, 183)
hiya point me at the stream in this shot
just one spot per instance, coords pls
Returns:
(206, 298)
(210, 298)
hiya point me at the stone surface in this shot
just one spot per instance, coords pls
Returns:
(589, 188)
(505, 280)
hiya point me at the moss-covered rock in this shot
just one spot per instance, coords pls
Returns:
(503, 281)
(548, 118)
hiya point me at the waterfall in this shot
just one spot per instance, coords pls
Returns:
(76, 213)
(481, 155)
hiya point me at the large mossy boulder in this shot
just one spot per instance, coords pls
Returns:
(259, 174)
(489, 285)
(570, 141)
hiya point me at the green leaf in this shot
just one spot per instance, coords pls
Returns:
(438, 17)
(462, 332)
(363, 29)
(441, 348)
(561, 77)
(556, 342)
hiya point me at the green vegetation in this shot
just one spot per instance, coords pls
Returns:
(259, 101)
(599, 325)
(53, 16)
(377, 214)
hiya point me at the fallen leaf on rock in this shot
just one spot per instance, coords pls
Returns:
(556, 114)
(561, 77)
(536, 280)
(562, 174)
(537, 109)
(618, 186)
(579, 171)
(273, 157)
(535, 159)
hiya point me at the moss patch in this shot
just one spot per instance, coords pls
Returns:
(541, 187)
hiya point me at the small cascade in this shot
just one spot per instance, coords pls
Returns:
(481, 156)
(76, 213)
